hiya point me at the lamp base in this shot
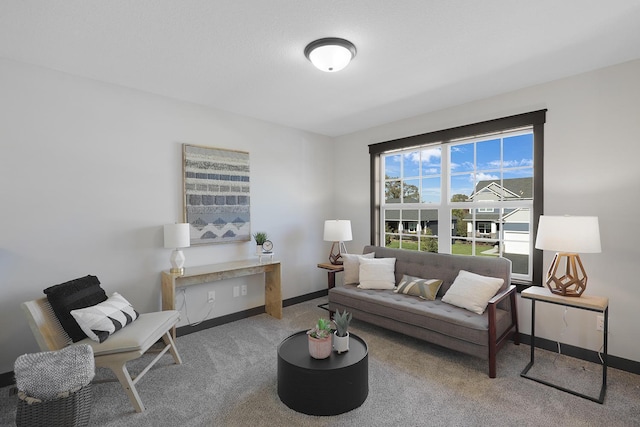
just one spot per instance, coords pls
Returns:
(574, 281)
(335, 258)
(177, 262)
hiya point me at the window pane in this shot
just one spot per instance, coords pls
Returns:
(518, 151)
(409, 242)
(461, 247)
(392, 166)
(392, 192)
(411, 164)
(488, 155)
(429, 222)
(431, 159)
(486, 249)
(517, 238)
(391, 228)
(391, 220)
(461, 220)
(461, 158)
(430, 190)
(518, 184)
(429, 244)
(410, 221)
(411, 191)
(461, 185)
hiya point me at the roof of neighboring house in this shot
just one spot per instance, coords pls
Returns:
(521, 188)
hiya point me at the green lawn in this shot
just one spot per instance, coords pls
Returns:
(456, 248)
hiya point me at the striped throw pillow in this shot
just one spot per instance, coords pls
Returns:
(423, 288)
(102, 320)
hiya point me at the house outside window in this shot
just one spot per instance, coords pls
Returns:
(463, 192)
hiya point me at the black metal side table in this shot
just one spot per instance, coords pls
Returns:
(584, 302)
(329, 386)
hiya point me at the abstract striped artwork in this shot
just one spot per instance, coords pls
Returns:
(216, 194)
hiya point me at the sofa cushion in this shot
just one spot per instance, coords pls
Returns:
(351, 265)
(71, 295)
(377, 273)
(423, 288)
(472, 291)
(101, 320)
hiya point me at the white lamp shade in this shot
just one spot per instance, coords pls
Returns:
(572, 234)
(176, 236)
(330, 58)
(337, 230)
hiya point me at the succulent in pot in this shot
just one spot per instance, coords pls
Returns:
(320, 339)
(341, 338)
(260, 237)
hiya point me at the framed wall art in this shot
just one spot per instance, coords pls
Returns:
(216, 194)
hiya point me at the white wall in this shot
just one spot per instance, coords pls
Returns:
(592, 148)
(89, 173)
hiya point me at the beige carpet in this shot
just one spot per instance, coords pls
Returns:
(229, 379)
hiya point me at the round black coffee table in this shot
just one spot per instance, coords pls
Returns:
(329, 386)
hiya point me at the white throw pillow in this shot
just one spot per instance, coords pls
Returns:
(377, 273)
(351, 265)
(472, 291)
(101, 320)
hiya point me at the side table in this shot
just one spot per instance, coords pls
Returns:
(584, 302)
(331, 273)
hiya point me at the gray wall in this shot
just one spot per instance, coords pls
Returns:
(592, 147)
(90, 172)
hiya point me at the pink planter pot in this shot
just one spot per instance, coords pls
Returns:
(320, 348)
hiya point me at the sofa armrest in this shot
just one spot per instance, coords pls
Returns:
(502, 295)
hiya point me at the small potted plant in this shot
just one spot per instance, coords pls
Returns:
(260, 237)
(320, 339)
(341, 336)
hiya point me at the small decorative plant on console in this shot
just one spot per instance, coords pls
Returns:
(341, 338)
(260, 237)
(320, 339)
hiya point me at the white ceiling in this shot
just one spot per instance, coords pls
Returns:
(246, 56)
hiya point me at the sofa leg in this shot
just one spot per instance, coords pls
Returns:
(492, 362)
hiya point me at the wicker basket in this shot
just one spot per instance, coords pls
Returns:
(72, 410)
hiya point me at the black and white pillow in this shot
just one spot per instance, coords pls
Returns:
(102, 320)
(72, 295)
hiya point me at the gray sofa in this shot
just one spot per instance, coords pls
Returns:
(440, 323)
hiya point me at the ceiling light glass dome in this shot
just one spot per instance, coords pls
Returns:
(330, 54)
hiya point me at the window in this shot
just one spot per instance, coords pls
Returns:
(473, 190)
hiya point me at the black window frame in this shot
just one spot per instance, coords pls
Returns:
(535, 119)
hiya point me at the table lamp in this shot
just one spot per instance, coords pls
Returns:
(337, 231)
(568, 235)
(176, 237)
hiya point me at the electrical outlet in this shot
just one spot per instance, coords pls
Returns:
(236, 291)
(212, 296)
(600, 323)
(244, 290)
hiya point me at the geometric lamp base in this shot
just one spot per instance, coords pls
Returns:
(574, 281)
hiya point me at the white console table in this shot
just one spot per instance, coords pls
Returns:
(227, 270)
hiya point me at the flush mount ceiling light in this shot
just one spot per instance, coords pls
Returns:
(330, 54)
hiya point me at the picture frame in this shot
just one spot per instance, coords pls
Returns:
(216, 188)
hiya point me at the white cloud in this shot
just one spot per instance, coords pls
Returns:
(485, 177)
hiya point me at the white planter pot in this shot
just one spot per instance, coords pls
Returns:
(340, 344)
(258, 249)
